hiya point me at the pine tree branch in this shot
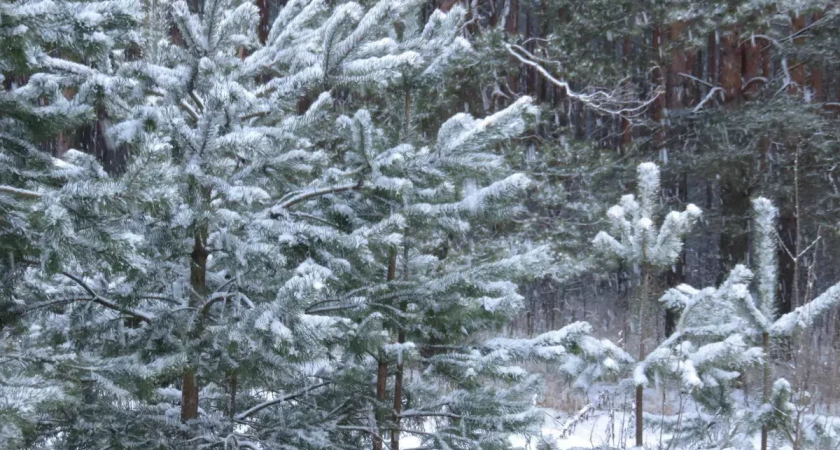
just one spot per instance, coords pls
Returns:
(358, 428)
(317, 193)
(429, 414)
(259, 407)
(16, 192)
(708, 97)
(805, 315)
(599, 101)
(96, 298)
(325, 309)
(316, 219)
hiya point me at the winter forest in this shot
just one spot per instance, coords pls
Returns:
(420, 224)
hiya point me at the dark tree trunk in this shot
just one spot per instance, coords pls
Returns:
(398, 396)
(787, 266)
(382, 365)
(264, 25)
(512, 28)
(734, 238)
(198, 282)
(626, 126)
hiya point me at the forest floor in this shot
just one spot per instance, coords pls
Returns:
(605, 423)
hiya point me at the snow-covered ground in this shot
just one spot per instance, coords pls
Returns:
(598, 429)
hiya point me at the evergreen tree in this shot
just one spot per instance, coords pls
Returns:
(51, 54)
(735, 318)
(235, 283)
(636, 242)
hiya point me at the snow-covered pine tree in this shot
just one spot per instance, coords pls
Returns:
(799, 430)
(706, 355)
(219, 291)
(440, 281)
(637, 242)
(740, 331)
(43, 48)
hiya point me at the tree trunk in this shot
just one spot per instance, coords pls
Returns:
(264, 25)
(765, 342)
(640, 390)
(735, 199)
(678, 95)
(731, 60)
(398, 392)
(381, 385)
(382, 366)
(233, 386)
(711, 49)
(817, 84)
(658, 105)
(751, 68)
(797, 68)
(626, 126)
(198, 282)
(189, 395)
(392, 273)
(512, 29)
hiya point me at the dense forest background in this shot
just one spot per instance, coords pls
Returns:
(745, 103)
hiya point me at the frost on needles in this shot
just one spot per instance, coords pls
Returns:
(272, 240)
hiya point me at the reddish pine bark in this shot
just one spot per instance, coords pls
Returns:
(797, 68)
(751, 67)
(731, 61)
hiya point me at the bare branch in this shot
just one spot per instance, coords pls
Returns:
(603, 102)
(325, 309)
(754, 80)
(692, 77)
(304, 196)
(259, 407)
(189, 110)
(197, 100)
(707, 98)
(96, 298)
(16, 192)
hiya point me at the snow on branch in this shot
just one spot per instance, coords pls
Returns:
(261, 406)
(613, 103)
(765, 229)
(303, 196)
(98, 299)
(805, 315)
(634, 237)
(16, 192)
